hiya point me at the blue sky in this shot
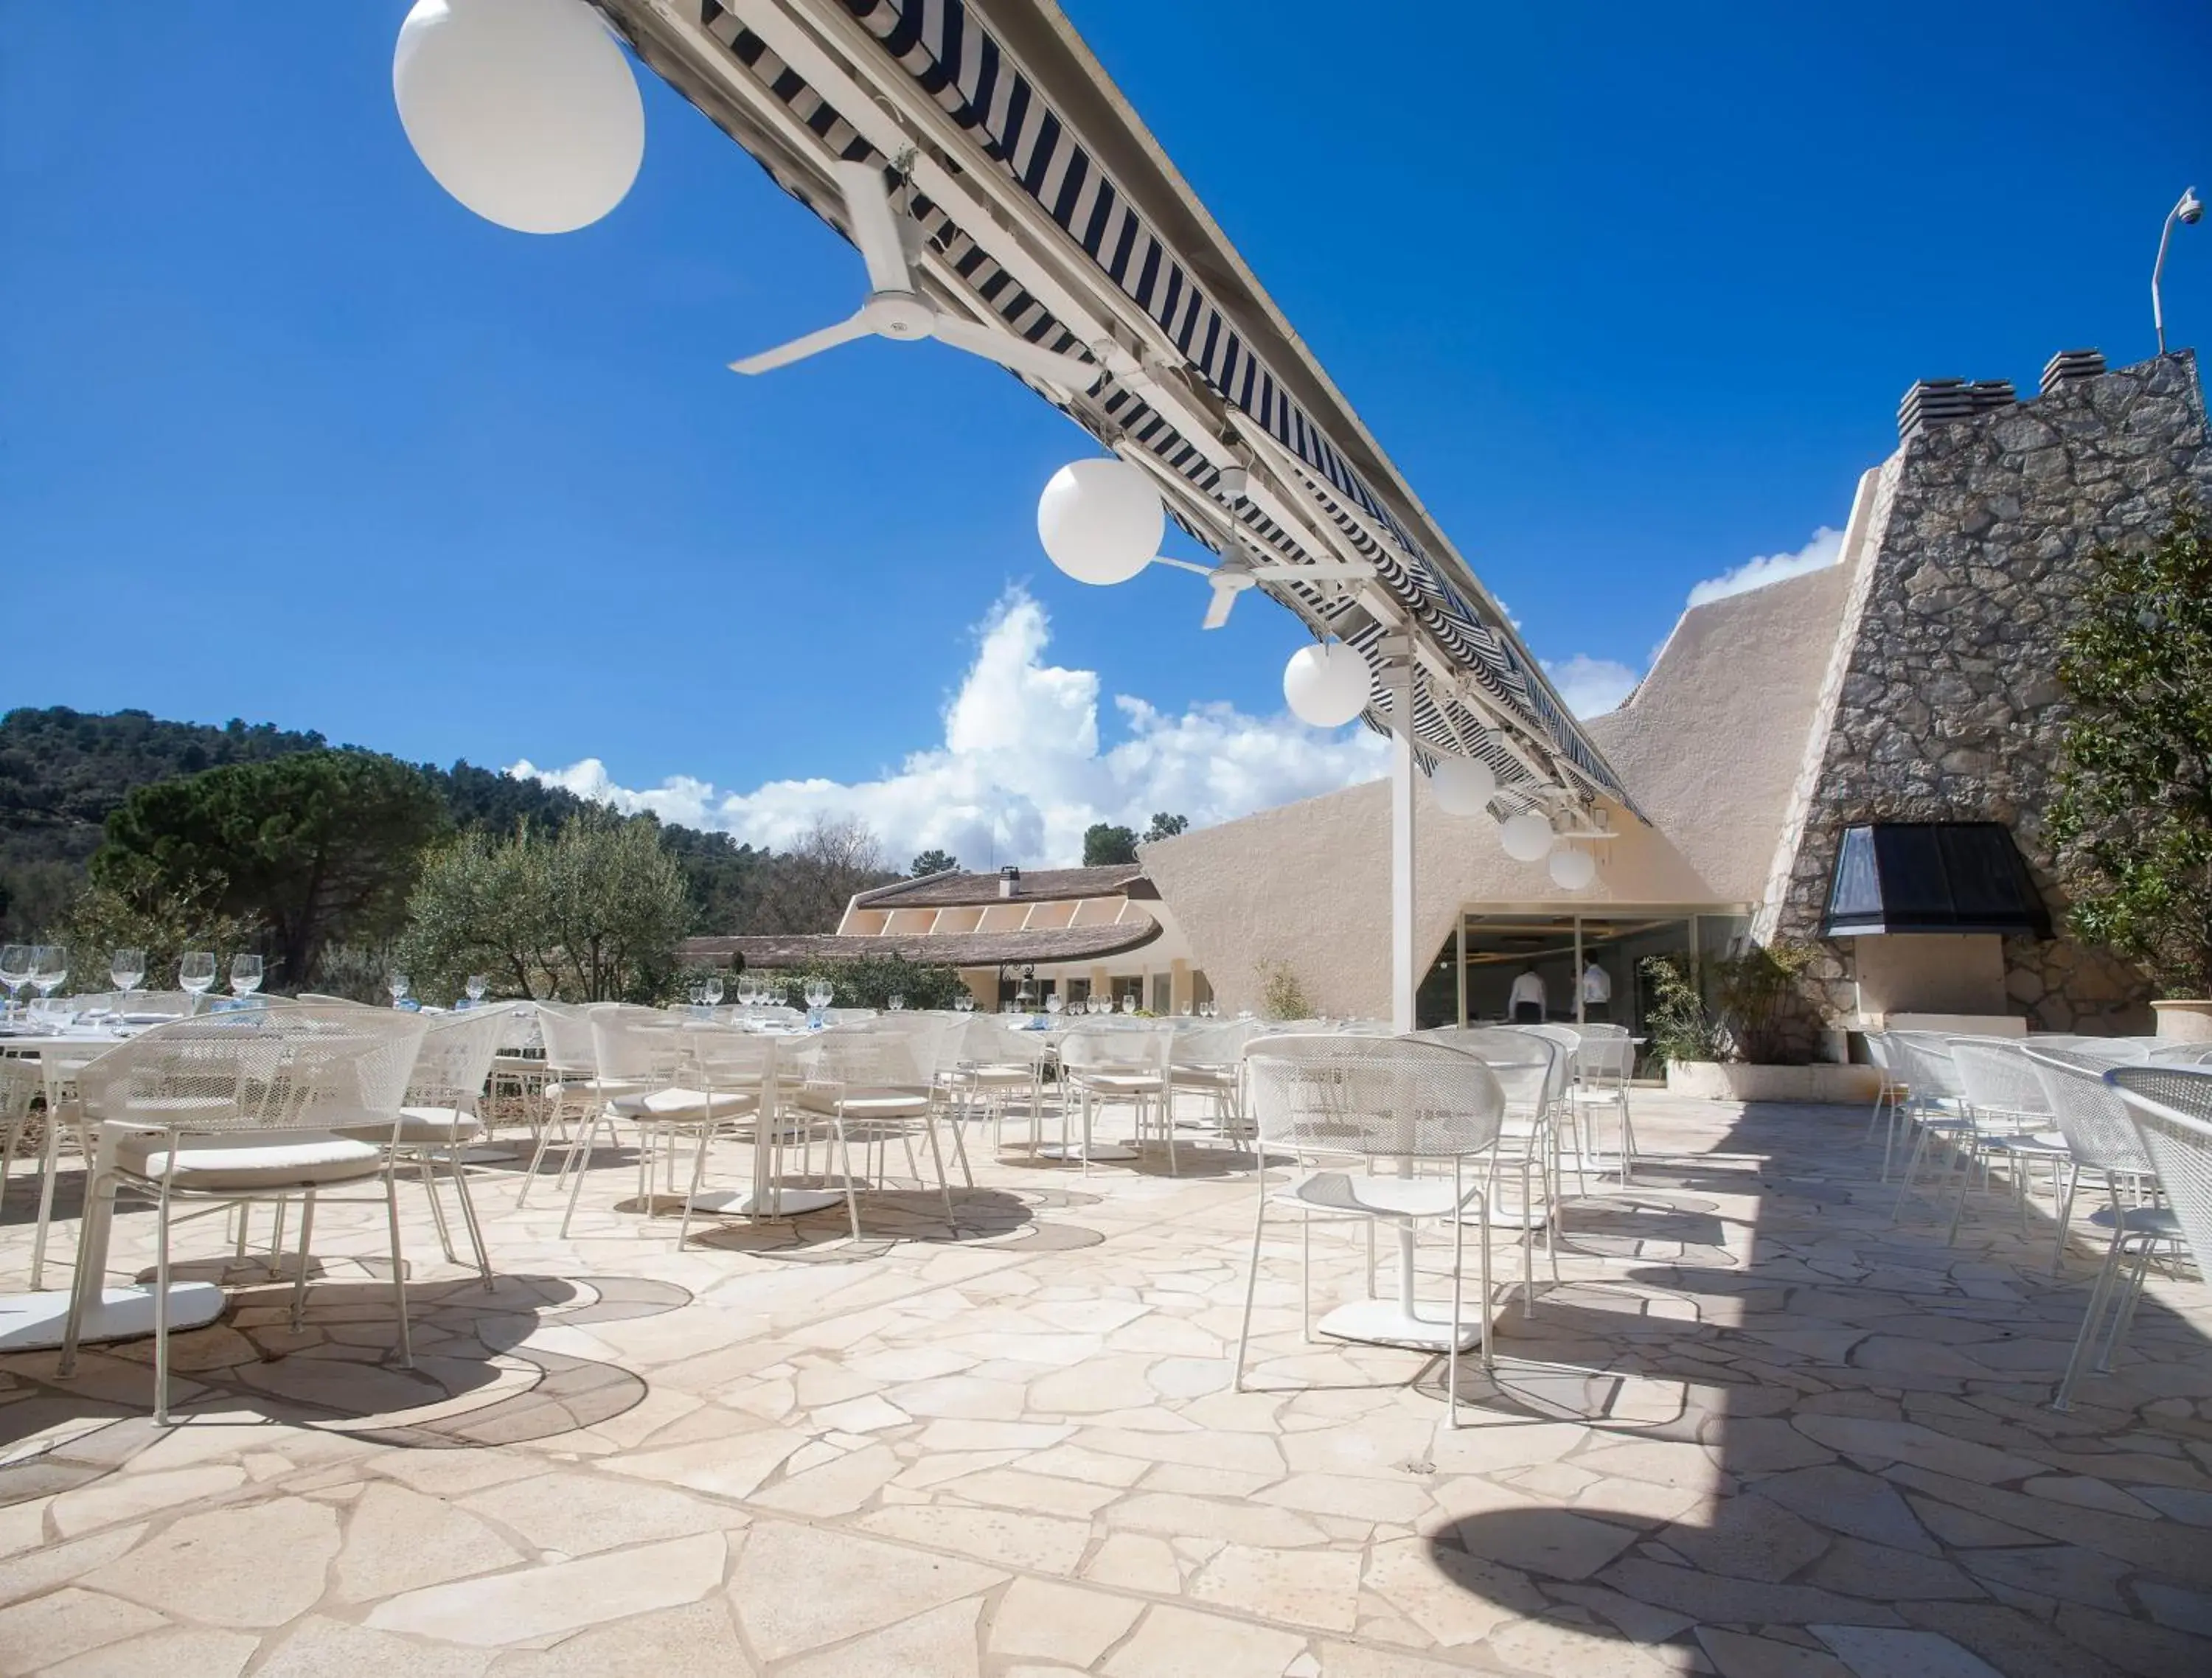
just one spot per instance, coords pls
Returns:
(1629, 293)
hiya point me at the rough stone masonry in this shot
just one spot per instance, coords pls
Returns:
(1943, 702)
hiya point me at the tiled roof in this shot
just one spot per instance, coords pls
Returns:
(1035, 886)
(946, 950)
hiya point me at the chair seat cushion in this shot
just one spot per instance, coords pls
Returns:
(418, 1127)
(251, 1160)
(1391, 1196)
(1117, 1083)
(679, 1106)
(861, 1103)
(1203, 1077)
(996, 1077)
(594, 1086)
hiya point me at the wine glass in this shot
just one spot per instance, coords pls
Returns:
(476, 986)
(898, 1002)
(15, 973)
(244, 976)
(397, 983)
(127, 970)
(713, 990)
(964, 1003)
(50, 965)
(1054, 1002)
(195, 973)
(1129, 1002)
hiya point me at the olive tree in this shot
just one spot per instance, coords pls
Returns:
(2133, 819)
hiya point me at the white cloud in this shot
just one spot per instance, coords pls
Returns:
(1825, 548)
(1591, 686)
(1020, 773)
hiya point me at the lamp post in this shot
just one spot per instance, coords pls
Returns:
(2189, 212)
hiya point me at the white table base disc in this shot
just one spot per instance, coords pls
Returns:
(489, 1154)
(34, 1322)
(1426, 1327)
(750, 1203)
(1098, 1152)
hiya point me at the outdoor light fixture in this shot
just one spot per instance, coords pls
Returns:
(1462, 786)
(524, 109)
(1101, 521)
(1527, 837)
(1572, 868)
(2189, 212)
(1326, 684)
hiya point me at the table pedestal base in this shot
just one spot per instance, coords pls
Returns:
(1426, 1327)
(34, 1322)
(775, 1203)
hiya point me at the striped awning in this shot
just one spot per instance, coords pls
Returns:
(1000, 115)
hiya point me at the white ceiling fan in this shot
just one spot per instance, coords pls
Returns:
(895, 307)
(1236, 572)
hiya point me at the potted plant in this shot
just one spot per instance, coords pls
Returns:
(1742, 1047)
(2132, 823)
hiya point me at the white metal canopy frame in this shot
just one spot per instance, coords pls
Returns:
(1050, 232)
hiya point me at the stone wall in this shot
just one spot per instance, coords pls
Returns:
(1942, 701)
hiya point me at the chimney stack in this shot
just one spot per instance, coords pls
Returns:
(2069, 365)
(1009, 881)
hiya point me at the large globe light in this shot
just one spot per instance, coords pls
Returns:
(1462, 786)
(1572, 868)
(1101, 521)
(1326, 684)
(1527, 837)
(524, 109)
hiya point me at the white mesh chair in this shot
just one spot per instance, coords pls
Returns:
(990, 1064)
(1604, 1065)
(230, 1107)
(1417, 1104)
(1205, 1059)
(20, 1081)
(872, 1087)
(442, 1119)
(1525, 1182)
(2102, 1138)
(2010, 1119)
(1936, 1109)
(726, 1086)
(1105, 1063)
(573, 1093)
(1889, 1094)
(640, 1056)
(2171, 1110)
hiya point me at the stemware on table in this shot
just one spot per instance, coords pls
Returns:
(16, 967)
(246, 973)
(397, 984)
(195, 971)
(126, 969)
(50, 968)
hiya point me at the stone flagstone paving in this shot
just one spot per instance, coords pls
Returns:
(1753, 1431)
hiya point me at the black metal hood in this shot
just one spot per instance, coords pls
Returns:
(1932, 876)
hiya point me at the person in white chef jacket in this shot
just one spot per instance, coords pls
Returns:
(1526, 1002)
(1597, 993)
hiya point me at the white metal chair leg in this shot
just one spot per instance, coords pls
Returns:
(1252, 1275)
(398, 1269)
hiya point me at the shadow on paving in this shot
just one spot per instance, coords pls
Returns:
(475, 1380)
(1838, 1458)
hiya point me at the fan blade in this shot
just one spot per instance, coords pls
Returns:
(799, 349)
(1216, 612)
(1019, 354)
(875, 229)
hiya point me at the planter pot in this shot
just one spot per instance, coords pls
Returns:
(1824, 1081)
(2187, 1020)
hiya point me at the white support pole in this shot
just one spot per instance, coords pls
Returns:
(1405, 962)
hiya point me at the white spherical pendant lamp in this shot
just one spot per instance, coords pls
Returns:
(1527, 837)
(1572, 868)
(1326, 684)
(524, 109)
(1101, 521)
(1462, 786)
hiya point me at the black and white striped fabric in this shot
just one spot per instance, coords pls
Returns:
(956, 62)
